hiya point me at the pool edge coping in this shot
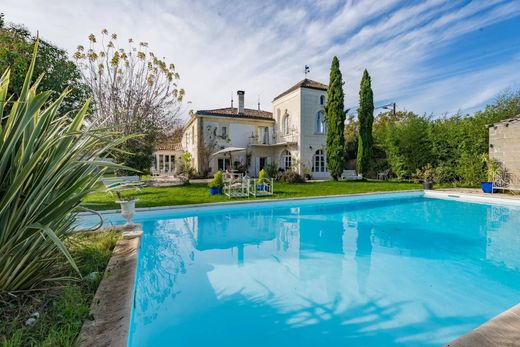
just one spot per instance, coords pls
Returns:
(111, 308)
(501, 330)
(471, 197)
(245, 202)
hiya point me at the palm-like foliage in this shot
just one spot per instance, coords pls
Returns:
(49, 161)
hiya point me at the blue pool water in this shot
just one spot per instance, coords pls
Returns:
(401, 270)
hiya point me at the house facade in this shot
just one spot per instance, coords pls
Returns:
(292, 135)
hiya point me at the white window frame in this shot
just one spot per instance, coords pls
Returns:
(321, 124)
(286, 160)
(319, 161)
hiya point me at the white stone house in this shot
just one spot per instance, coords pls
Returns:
(292, 136)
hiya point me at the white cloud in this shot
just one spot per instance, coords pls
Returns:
(220, 46)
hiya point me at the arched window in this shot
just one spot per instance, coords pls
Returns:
(321, 126)
(285, 124)
(322, 100)
(286, 160)
(318, 161)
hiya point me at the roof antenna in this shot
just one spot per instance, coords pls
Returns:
(306, 70)
(231, 99)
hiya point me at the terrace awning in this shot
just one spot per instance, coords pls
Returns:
(229, 150)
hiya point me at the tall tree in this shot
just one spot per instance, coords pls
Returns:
(16, 49)
(365, 119)
(335, 117)
(134, 92)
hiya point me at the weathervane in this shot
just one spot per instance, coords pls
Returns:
(306, 70)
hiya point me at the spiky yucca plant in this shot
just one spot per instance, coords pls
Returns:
(49, 161)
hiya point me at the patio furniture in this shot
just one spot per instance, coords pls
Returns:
(261, 187)
(383, 175)
(237, 187)
(503, 184)
(350, 175)
(233, 174)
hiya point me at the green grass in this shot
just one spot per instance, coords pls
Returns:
(199, 193)
(63, 308)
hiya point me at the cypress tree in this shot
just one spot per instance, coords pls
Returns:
(366, 119)
(335, 117)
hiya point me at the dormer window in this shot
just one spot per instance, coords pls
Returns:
(321, 125)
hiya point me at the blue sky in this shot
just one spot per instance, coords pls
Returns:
(433, 56)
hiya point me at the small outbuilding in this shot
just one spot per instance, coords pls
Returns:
(504, 144)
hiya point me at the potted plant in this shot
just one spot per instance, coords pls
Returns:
(216, 184)
(492, 169)
(425, 175)
(127, 207)
(260, 183)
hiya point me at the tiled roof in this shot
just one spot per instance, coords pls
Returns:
(509, 120)
(306, 83)
(169, 146)
(233, 113)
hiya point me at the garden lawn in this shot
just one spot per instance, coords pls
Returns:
(199, 193)
(64, 307)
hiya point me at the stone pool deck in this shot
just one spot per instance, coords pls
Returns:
(478, 192)
(503, 330)
(111, 308)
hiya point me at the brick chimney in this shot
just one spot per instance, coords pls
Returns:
(240, 94)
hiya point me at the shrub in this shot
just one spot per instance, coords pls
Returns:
(291, 177)
(271, 170)
(425, 174)
(443, 174)
(184, 168)
(49, 161)
(217, 180)
(261, 176)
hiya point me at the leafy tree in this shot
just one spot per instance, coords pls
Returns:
(335, 117)
(406, 143)
(351, 137)
(16, 48)
(134, 92)
(366, 119)
(453, 146)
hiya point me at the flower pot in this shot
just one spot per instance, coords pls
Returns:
(427, 185)
(215, 190)
(127, 210)
(487, 187)
(262, 187)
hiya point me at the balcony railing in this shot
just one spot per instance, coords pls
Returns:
(273, 140)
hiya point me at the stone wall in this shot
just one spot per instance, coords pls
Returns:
(504, 145)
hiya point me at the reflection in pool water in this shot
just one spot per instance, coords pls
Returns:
(411, 271)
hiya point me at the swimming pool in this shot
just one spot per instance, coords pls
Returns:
(379, 270)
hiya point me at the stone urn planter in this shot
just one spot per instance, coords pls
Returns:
(427, 185)
(127, 210)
